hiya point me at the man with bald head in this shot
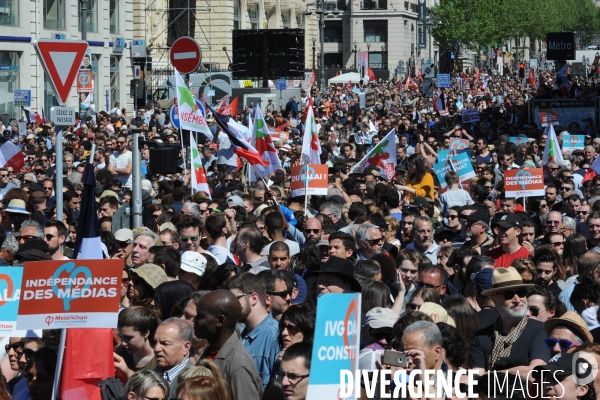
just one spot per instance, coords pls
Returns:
(217, 314)
(313, 232)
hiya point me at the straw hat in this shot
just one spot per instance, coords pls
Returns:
(432, 308)
(152, 274)
(17, 206)
(504, 279)
(573, 321)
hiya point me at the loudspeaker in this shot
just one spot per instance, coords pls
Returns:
(182, 20)
(164, 159)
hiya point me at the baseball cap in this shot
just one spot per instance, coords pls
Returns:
(505, 138)
(510, 221)
(30, 136)
(324, 241)
(483, 279)
(235, 199)
(419, 202)
(558, 368)
(379, 317)
(479, 215)
(124, 235)
(193, 262)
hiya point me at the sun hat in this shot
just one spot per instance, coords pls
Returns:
(17, 206)
(379, 317)
(342, 268)
(432, 308)
(152, 274)
(193, 262)
(504, 279)
(573, 321)
(124, 235)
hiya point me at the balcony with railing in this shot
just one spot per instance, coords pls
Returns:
(373, 5)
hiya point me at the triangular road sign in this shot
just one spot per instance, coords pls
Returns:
(61, 60)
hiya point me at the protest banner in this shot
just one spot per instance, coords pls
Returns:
(549, 118)
(10, 292)
(470, 115)
(524, 182)
(310, 179)
(573, 142)
(70, 294)
(518, 140)
(336, 344)
(381, 156)
(458, 145)
(461, 164)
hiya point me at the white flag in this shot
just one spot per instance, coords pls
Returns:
(261, 140)
(191, 117)
(311, 147)
(552, 151)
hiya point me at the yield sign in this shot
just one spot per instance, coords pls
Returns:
(185, 55)
(61, 60)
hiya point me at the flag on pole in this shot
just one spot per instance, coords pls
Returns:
(32, 116)
(199, 181)
(233, 107)
(311, 147)
(349, 85)
(305, 113)
(237, 134)
(261, 140)
(88, 244)
(382, 156)
(223, 106)
(552, 151)
(190, 115)
(410, 84)
(371, 74)
(440, 104)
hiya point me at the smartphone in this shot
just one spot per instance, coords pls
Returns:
(395, 358)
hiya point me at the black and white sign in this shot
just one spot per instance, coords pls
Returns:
(62, 116)
(560, 46)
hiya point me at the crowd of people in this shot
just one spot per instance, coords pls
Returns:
(219, 290)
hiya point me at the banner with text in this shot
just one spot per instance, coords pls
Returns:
(461, 164)
(518, 140)
(524, 182)
(470, 115)
(10, 292)
(336, 344)
(573, 142)
(310, 179)
(549, 118)
(70, 294)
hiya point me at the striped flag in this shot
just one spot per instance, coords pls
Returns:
(261, 140)
(88, 244)
(311, 147)
(223, 106)
(237, 134)
(552, 151)
(11, 155)
(199, 181)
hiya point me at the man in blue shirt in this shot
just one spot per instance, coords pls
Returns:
(261, 331)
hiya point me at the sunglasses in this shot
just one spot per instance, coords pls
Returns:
(307, 231)
(292, 329)
(428, 285)
(375, 241)
(25, 237)
(510, 294)
(283, 294)
(563, 344)
(412, 307)
(14, 346)
(535, 311)
(378, 335)
(192, 238)
(566, 188)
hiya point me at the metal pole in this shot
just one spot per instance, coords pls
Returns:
(355, 65)
(136, 181)
(314, 48)
(59, 174)
(84, 19)
(322, 39)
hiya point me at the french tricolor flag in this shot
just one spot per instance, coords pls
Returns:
(88, 245)
(11, 155)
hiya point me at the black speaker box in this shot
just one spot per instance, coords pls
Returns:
(164, 159)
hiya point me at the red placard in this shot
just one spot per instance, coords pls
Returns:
(70, 294)
(549, 118)
(318, 179)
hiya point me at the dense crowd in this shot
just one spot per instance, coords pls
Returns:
(219, 290)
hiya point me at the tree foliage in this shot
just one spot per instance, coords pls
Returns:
(477, 23)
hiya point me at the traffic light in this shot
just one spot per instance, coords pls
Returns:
(521, 70)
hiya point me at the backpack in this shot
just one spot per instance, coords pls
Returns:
(113, 113)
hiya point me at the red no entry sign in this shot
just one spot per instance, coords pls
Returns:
(185, 55)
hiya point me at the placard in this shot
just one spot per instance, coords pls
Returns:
(310, 179)
(470, 115)
(518, 140)
(443, 81)
(336, 343)
(573, 142)
(458, 145)
(549, 118)
(70, 294)
(524, 182)
(461, 164)
(10, 292)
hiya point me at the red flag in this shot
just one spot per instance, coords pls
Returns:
(233, 107)
(312, 78)
(410, 83)
(88, 359)
(420, 74)
(589, 175)
(371, 74)
(477, 76)
(305, 113)
(349, 85)
(531, 77)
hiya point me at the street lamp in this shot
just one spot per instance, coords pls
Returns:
(314, 40)
(355, 46)
(321, 10)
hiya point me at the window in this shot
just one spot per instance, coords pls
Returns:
(92, 15)
(300, 19)
(114, 16)
(55, 14)
(333, 32)
(9, 81)
(286, 17)
(375, 31)
(9, 12)
(334, 60)
(378, 60)
(237, 15)
(374, 5)
(114, 79)
(254, 16)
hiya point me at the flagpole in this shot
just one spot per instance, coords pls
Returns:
(182, 149)
(305, 190)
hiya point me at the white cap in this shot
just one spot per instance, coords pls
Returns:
(193, 262)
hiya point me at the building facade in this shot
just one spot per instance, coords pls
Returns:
(23, 22)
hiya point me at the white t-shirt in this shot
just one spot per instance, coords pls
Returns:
(121, 161)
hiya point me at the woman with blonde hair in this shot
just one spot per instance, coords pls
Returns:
(203, 368)
(390, 236)
(202, 388)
